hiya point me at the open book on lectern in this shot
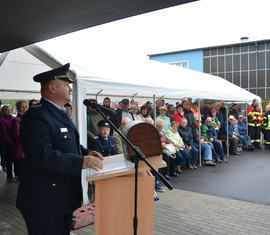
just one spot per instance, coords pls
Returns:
(113, 163)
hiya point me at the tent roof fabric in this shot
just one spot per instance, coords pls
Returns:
(146, 78)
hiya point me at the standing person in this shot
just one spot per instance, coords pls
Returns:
(50, 187)
(107, 102)
(7, 140)
(32, 102)
(255, 119)
(152, 111)
(123, 112)
(187, 113)
(22, 107)
(164, 117)
(266, 122)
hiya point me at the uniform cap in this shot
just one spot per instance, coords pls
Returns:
(103, 123)
(58, 73)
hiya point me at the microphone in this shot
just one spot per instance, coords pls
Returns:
(94, 105)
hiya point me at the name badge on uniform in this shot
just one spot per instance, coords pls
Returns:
(64, 129)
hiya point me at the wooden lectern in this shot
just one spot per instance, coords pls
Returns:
(114, 200)
(114, 193)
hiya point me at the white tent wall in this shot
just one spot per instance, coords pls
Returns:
(16, 73)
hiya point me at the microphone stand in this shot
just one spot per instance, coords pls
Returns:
(138, 156)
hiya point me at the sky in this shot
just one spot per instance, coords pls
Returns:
(193, 25)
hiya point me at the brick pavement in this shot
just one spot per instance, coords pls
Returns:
(177, 212)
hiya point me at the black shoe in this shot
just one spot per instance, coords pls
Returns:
(167, 177)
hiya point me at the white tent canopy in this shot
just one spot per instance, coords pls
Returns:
(145, 79)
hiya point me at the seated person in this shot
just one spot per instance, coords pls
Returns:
(144, 115)
(233, 139)
(186, 134)
(182, 154)
(244, 139)
(168, 157)
(104, 143)
(206, 149)
(212, 138)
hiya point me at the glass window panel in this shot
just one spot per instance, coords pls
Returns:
(261, 78)
(252, 47)
(228, 63)
(261, 46)
(253, 91)
(228, 50)
(268, 78)
(261, 60)
(267, 93)
(236, 78)
(206, 52)
(268, 45)
(213, 65)
(206, 65)
(261, 93)
(244, 62)
(252, 79)
(213, 51)
(236, 63)
(229, 77)
(221, 64)
(244, 79)
(236, 49)
(268, 59)
(244, 48)
(221, 51)
(252, 61)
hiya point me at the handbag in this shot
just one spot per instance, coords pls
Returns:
(169, 150)
(83, 216)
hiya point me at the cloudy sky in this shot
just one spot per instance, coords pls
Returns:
(193, 25)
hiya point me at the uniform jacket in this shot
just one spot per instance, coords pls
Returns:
(51, 182)
(255, 116)
(105, 147)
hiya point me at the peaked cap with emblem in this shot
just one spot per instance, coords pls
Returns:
(103, 123)
(57, 73)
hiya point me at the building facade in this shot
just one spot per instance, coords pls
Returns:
(246, 64)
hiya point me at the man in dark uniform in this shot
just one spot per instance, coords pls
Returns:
(50, 188)
(104, 143)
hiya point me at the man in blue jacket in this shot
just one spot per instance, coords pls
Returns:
(50, 187)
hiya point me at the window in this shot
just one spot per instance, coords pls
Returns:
(206, 65)
(228, 50)
(252, 79)
(261, 60)
(261, 93)
(261, 78)
(244, 62)
(229, 77)
(213, 65)
(268, 78)
(268, 59)
(236, 63)
(220, 64)
(244, 79)
(236, 78)
(228, 63)
(221, 51)
(182, 64)
(252, 61)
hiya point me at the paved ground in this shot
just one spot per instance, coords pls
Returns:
(181, 211)
(245, 177)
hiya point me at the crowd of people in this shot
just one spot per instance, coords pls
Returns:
(184, 130)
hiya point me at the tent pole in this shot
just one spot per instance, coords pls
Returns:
(155, 112)
(98, 94)
(227, 126)
(200, 147)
